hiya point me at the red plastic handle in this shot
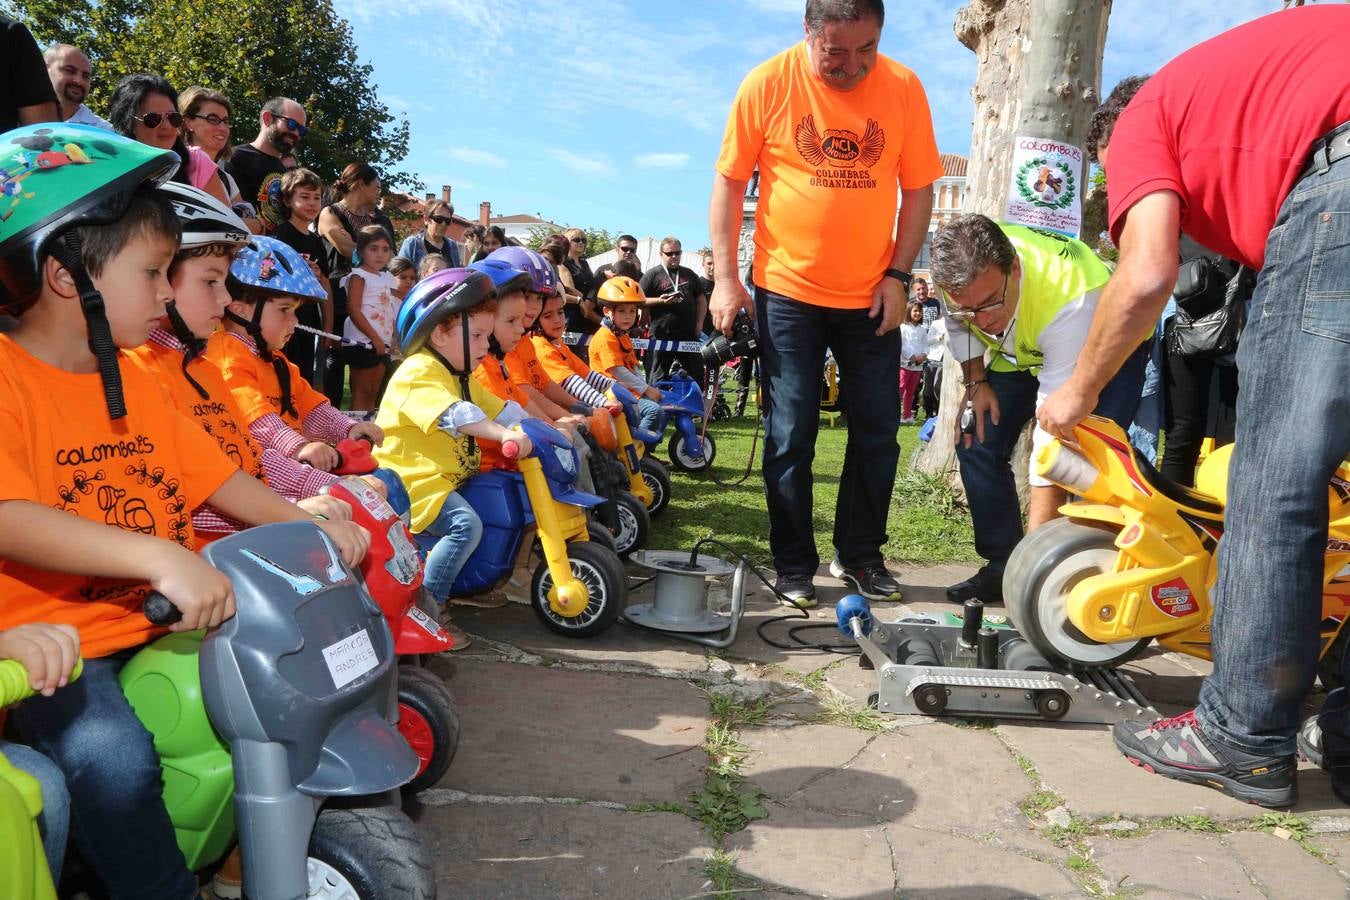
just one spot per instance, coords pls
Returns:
(510, 449)
(354, 458)
(614, 411)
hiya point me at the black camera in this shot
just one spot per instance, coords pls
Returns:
(744, 342)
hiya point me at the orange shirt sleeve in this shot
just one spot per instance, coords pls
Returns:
(744, 135)
(605, 351)
(303, 395)
(242, 371)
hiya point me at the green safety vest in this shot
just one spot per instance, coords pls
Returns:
(1056, 270)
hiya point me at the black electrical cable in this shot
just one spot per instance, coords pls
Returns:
(754, 443)
(798, 613)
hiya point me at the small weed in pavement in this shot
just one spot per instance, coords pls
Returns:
(836, 709)
(1203, 824)
(720, 869)
(727, 803)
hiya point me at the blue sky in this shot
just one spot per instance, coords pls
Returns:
(609, 114)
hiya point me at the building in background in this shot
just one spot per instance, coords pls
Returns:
(949, 196)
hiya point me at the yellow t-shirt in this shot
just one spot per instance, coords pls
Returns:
(430, 462)
(830, 163)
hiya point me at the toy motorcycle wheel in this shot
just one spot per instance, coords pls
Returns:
(1042, 571)
(657, 478)
(597, 533)
(429, 722)
(682, 459)
(368, 852)
(600, 570)
(634, 525)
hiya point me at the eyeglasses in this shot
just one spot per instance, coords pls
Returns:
(578, 240)
(966, 314)
(152, 120)
(672, 252)
(441, 220)
(293, 125)
(627, 249)
(211, 119)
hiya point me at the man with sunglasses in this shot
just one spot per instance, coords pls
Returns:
(432, 239)
(1019, 302)
(257, 167)
(679, 291)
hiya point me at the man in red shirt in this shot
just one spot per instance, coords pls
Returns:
(1243, 143)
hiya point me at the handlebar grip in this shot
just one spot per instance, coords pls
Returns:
(615, 411)
(159, 610)
(510, 449)
(14, 683)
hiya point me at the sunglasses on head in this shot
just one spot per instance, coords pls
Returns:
(152, 120)
(441, 220)
(293, 125)
(213, 119)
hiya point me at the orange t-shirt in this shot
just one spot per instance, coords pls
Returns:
(558, 360)
(254, 383)
(491, 375)
(608, 350)
(218, 414)
(523, 365)
(144, 473)
(830, 163)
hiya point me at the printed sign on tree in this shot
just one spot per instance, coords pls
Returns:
(1045, 190)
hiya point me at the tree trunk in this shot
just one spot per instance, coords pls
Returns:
(1039, 75)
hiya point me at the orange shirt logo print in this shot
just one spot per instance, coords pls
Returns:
(838, 153)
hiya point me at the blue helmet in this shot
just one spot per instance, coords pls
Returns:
(506, 275)
(434, 299)
(543, 278)
(272, 268)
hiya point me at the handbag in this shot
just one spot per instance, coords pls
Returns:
(1211, 309)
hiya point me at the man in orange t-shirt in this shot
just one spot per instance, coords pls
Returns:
(835, 131)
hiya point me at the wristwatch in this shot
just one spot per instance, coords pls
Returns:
(904, 278)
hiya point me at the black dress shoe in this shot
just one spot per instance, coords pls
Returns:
(985, 585)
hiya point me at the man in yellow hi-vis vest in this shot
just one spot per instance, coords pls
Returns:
(1019, 302)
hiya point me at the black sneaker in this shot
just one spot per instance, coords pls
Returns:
(1327, 751)
(985, 585)
(1178, 748)
(873, 582)
(795, 590)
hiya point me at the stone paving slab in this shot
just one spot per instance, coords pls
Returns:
(816, 854)
(1081, 763)
(514, 851)
(1177, 863)
(1284, 869)
(936, 866)
(551, 732)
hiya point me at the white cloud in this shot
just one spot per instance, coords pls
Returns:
(662, 160)
(475, 157)
(582, 164)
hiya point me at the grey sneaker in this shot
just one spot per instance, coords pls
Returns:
(873, 582)
(1178, 748)
(795, 590)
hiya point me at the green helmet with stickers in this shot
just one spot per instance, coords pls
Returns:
(54, 178)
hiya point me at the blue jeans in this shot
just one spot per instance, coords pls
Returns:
(986, 468)
(793, 339)
(449, 542)
(116, 788)
(1293, 430)
(54, 820)
(649, 414)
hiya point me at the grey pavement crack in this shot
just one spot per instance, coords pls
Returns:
(827, 772)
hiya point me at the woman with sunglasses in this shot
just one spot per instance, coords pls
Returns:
(144, 107)
(433, 240)
(206, 124)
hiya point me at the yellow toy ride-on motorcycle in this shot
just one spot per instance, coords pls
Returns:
(1134, 559)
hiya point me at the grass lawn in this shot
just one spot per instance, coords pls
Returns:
(925, 526)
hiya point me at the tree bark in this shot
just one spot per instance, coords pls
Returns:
(1039, 75)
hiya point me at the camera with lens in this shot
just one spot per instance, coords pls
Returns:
(744, 342)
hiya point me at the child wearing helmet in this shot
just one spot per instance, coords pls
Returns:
(95, 459)
(268, 280)
(620, 299)
(434, 413)
(212, 234)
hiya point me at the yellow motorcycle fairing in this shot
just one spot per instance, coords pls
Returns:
(558, 523)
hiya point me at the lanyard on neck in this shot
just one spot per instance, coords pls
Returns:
(674, 282)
